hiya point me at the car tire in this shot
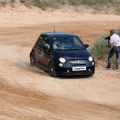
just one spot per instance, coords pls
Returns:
(52, 71)
(32, 60)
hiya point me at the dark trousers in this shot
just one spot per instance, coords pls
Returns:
(114, 50)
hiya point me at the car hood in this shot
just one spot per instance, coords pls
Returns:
(72, 54)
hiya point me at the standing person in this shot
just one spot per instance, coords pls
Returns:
(115, 48)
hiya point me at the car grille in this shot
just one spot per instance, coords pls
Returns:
(75, 62)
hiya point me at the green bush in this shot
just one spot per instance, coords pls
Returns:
(118, 32)
(22, 1)
(43, 4)
(100, 2)
(3, 3)
(74, 2)
(13, 1)
(55, 3)
(27, 3)
(40, 3)
(99, 50)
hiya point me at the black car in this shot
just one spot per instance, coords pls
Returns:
(62, 54)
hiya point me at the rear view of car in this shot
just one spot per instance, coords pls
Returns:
(62, 54)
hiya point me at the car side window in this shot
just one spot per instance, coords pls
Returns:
(45, 42)
(40, 39)
(77, 42)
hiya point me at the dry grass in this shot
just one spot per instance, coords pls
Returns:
(99, 50)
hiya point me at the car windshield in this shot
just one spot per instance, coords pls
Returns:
(67, 43)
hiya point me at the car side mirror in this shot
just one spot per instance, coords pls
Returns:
(46, 46)
(86, 45)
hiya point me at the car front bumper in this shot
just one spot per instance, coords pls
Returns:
(67, 71)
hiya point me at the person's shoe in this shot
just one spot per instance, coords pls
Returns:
(117, 67)
(108, 67)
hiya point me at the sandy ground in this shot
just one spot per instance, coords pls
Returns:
(28, 93)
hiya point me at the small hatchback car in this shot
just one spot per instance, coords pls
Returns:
(62, 54)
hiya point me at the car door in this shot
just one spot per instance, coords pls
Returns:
(45, 52)
(38, 49)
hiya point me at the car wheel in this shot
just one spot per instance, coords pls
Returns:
(52, 71)
(32, 60)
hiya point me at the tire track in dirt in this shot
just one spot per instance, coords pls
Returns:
(31, 101)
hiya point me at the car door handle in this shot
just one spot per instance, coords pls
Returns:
(38, 50)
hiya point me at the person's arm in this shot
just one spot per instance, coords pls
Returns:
(110, 44)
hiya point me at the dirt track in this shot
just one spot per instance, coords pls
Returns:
(31, 94)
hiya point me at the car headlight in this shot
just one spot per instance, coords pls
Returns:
(90, 58)
(62, 60)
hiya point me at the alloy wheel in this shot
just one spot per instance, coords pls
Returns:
(52, 71)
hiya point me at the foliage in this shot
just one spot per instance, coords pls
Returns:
(40, 3)
(100, 2)
(13, 1)
(118, 32)
(74, 2)
(99, 50)
(44, 4)
(2, 3)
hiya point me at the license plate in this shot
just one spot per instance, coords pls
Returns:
(78, 68)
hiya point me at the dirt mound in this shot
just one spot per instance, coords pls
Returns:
(20, 16)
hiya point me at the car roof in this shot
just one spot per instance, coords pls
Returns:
(54, 34)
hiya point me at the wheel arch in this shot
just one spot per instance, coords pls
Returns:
(32, 52)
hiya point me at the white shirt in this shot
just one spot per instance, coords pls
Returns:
(115, 40)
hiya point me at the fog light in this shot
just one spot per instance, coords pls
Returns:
(93, 63)
(89, 70)
(68, 71)
(61, 65)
